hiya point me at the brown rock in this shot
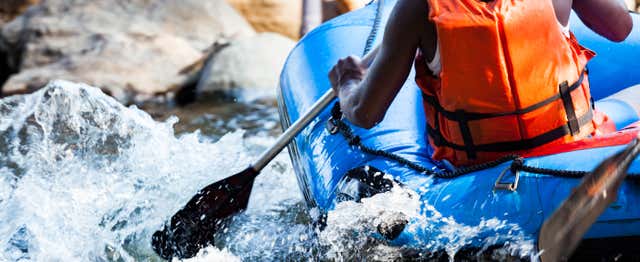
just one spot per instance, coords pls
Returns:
(9, 9)
(330, 9)
(132, 49)
(350, 5)
(280, 16)
(333, 8)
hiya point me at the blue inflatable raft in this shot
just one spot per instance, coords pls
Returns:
(321, 158)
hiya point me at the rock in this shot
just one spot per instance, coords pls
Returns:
(330, 9)
(132, 49)
(350, 5)
(392, 224)
(246, 65)
(9, 9)
(333, 8)
(139, 69)
(631, 4)
(280, 16)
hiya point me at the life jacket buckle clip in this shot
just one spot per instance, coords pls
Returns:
(511, 186)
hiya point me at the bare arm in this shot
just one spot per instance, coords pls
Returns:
(364, 103)
(608, 18)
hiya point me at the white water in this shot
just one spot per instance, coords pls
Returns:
(351, 219)
(83, 178)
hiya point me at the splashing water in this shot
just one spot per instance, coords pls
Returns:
(83, 178)
(350, 227)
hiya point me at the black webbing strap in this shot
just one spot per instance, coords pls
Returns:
(466, 135)
(462, 117)
(524, 144)
(470, 116)
(572, 120)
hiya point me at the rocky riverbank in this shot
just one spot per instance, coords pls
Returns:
(139, 51)
(136, 50)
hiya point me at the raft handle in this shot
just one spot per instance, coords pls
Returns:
(511, 186)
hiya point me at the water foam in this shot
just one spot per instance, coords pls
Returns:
(352, 228)
(85, 178)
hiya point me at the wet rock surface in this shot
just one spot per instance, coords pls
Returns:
(132, 50)
(9, 9)
(5, 70)
(248, 65)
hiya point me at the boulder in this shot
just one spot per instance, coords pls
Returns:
(132, 49)
(280, 16)
(9, 9)
(330, 9)
(350, 5)
(249, 64)
(333, 8)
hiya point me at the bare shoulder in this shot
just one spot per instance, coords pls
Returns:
(409, 21)
(609, 18)
(410, 13)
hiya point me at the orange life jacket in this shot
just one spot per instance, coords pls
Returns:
(511, 81)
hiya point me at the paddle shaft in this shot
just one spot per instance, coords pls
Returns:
(303, 121)
(294, 129)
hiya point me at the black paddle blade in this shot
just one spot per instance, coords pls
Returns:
(193, 227)
(562, 231)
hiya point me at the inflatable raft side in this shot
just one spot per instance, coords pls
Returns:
(321, 159)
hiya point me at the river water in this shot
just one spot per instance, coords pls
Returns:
(83, 178)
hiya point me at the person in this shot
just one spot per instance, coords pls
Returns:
(498, 77)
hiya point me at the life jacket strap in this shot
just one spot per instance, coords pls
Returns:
(462, 117)
(510, 146)
(466, 134)
(471, 116)
(567, 101)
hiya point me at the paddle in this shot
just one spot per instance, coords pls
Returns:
(193, 226)
(563, 230)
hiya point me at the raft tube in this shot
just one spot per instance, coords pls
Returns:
(321, 159)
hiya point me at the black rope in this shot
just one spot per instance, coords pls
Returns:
(374, 28)
(517, 162)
